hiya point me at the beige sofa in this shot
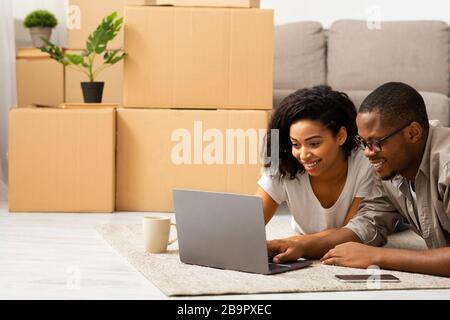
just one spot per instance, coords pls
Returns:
(356, 59)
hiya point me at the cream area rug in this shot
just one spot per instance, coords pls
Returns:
(174, 278)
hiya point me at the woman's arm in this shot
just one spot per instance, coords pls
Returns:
(313, 235)
(269, 205)
(350, 214)
(352, 211)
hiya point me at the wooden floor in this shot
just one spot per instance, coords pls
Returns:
(61, 256)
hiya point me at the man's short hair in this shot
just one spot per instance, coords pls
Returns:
(397, 103)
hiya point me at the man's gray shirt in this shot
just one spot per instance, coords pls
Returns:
(379, 213)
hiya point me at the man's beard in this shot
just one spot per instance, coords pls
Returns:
(394, 173)
(390, 176)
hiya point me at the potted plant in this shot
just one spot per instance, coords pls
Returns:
(40, 24)
(96, 45)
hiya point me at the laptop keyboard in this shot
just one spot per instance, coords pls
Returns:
(276, 266)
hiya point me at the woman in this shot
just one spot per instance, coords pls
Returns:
(322, 175)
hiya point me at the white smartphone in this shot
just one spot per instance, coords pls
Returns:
(367, 277)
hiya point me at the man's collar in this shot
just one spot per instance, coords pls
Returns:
(398, 180)
(425, 163)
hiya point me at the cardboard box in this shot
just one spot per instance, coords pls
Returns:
(198, 58)
(61, 160)
(84, 17)
(112, 76)
(27, 53)
(89, 106)
(159, 150)
(198, 3)
(39, 79)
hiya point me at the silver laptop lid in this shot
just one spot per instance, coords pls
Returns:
(221, 230)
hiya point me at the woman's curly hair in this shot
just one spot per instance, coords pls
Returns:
(332, 108)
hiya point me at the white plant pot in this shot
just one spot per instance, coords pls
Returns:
(38, 32)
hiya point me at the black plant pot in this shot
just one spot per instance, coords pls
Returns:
(92, 91)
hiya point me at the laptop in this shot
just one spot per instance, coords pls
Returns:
(226, 231)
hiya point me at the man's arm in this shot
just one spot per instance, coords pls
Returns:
(357, 255)
(310, 248)
(431, 261)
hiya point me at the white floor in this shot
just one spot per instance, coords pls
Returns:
(61, 256)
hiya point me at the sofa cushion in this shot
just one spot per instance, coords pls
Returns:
(279, 95)
(414, 52)
(437, 104)
(300, 57)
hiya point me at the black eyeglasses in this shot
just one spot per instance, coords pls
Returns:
(375, 145)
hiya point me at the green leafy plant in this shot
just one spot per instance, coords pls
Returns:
(96, 44)
(40, 18)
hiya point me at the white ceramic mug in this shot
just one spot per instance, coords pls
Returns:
(156, 232)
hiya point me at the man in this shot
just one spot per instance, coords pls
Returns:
(412, 165)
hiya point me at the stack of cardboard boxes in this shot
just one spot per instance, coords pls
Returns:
(197, 90)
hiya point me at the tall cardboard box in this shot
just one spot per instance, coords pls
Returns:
(39, 79)
(159, 150)
(84, 17)
(112, 76)
(198, 58)
(61, 160)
